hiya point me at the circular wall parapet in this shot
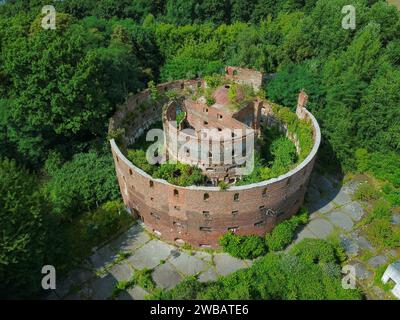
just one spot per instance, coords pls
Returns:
(199, 215)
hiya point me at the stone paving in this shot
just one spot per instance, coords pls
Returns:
(332, 213)
(169, 264)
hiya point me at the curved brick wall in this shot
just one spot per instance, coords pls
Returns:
(184, 146)
(200, 215)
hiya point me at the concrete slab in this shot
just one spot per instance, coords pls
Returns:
(188, 265)
(166, 276)
(150, 254)
(361, 271)
(130, 240)
(364, 243)
(103, 287)
(354, 210)
(303, 234)
(326, 208)
(341, 220)
(349, 245)
(377, 261)
(122, 272)
(102, 257)
(226, 264)
(396, 219)
(137, 293)
(124, 295)
(350, 187)
(203, 256)
(320, 228)
(341, 198)
(208, 275)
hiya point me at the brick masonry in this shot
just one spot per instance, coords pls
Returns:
(199, 215)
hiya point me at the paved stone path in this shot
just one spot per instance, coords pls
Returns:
(332, 212)
(97, 278)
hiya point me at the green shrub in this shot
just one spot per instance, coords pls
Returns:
(309, 271)
(210, 101)
(180, 174)
(301, 128)
(153, 91)
(82, 183)
(381, 210)
(104, 222)
(214, 81)
(365, 192)
(185, 290)
(138, 158)
(179, 117)
(382, 234)
(144, 279)
(283, 234)
(25, 225)
(277, 155)
(243, 247)
(315, 251)
(391, 194)
(222, 185)
(175, 173)
(384, 166)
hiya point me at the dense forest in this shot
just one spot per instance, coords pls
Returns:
(59, 87)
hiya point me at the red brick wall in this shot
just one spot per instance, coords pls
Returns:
(183, 213)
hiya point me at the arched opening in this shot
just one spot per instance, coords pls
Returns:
(236, 197)
(176, 193)
(206, 196)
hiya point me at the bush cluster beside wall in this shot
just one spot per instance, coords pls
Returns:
(250, 247)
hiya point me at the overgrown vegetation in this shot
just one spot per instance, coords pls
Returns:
(140, 277)
(311, 270)
(282, 235)
(377, 225)
(277, 156)
(250, 247)
(58, 89)
(179, 174)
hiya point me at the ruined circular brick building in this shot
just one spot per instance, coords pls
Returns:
(199, 215)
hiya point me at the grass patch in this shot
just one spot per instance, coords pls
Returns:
(141, 278)
(309, 271)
